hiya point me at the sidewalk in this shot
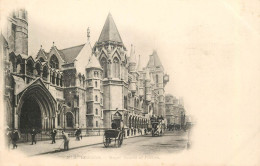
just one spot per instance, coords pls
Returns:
(44, 147)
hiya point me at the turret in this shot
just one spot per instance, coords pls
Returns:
(147, 86)
(132, 60)
(18, 28)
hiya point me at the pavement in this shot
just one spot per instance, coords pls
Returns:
(45, 147)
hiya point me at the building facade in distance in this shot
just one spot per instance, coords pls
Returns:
(81, 86)
(175, 111)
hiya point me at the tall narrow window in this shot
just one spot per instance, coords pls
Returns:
(96, 84)
(96, 97)
(157, 80)
(96, 123)
(116, 68)
(69, 119)
(104, 66)
(96, 111)
(29, 67)
(54, 62)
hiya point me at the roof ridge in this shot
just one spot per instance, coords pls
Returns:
(71, 47)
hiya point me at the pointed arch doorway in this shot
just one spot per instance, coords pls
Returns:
(36, 107)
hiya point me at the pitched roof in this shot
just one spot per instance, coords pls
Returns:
(3, 40)
(154, 60)
(93, 63)
(69, 54)
(109, 31)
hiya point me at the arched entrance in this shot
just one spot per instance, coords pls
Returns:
(36, 107)
(30, 115)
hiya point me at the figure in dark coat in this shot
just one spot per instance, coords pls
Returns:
(78, 134)
(33, 134)
(15, 138)
(53, 135)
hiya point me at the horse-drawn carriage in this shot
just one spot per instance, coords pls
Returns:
(113, 137)
(157, 126)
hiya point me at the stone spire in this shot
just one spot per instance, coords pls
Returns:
(139, 67)
(132, 63)
(109, 31)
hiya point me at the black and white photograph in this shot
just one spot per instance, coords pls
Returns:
(172, 82)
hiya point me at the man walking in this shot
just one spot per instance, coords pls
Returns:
(53, 135)
(66, 139)
(15, 137)
(33, 134)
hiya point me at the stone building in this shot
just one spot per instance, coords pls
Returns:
(80, 86)
(175, 111)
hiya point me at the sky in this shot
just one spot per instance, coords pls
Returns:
(210, 49)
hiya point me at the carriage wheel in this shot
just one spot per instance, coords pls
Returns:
(106, 141)
(120, 140)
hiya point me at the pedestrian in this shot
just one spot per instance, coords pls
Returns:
(33, 134)
(8, 136)
(15, 138)
(53, 135)
(77, 134)
(66, 139)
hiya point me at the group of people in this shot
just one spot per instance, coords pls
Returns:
(12, 136)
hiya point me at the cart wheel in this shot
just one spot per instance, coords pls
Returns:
(119, 140)
(106, 141)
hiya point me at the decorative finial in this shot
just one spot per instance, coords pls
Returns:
(88, 33)
(41, 46)
(53, 44)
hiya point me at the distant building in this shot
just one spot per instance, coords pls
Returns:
(79, 86)
(175, 111)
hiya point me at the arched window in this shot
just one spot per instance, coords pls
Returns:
(54, 62)
(116, 67)
(101, 112)
(29, 67)
(104, 66)
(96, 123)
(38, 69)
(101, 100)
(96, 84)
(96, 111)
(69, 119)
(96, 97)
(45, 73)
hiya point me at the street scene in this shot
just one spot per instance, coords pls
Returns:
(91, 147)
(88, 99)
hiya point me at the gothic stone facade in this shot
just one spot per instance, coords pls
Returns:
(175, 111)
(78, 86)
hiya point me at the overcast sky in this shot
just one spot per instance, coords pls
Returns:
(210, 49)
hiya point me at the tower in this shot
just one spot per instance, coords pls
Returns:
(111, 53)
(94, 93)
(157, 72)
(17, 32)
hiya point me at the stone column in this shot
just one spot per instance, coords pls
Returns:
(56, 121)
(16, 118)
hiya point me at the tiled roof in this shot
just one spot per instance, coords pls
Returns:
(70, 54)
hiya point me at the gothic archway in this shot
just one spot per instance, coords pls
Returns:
(36, 107)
